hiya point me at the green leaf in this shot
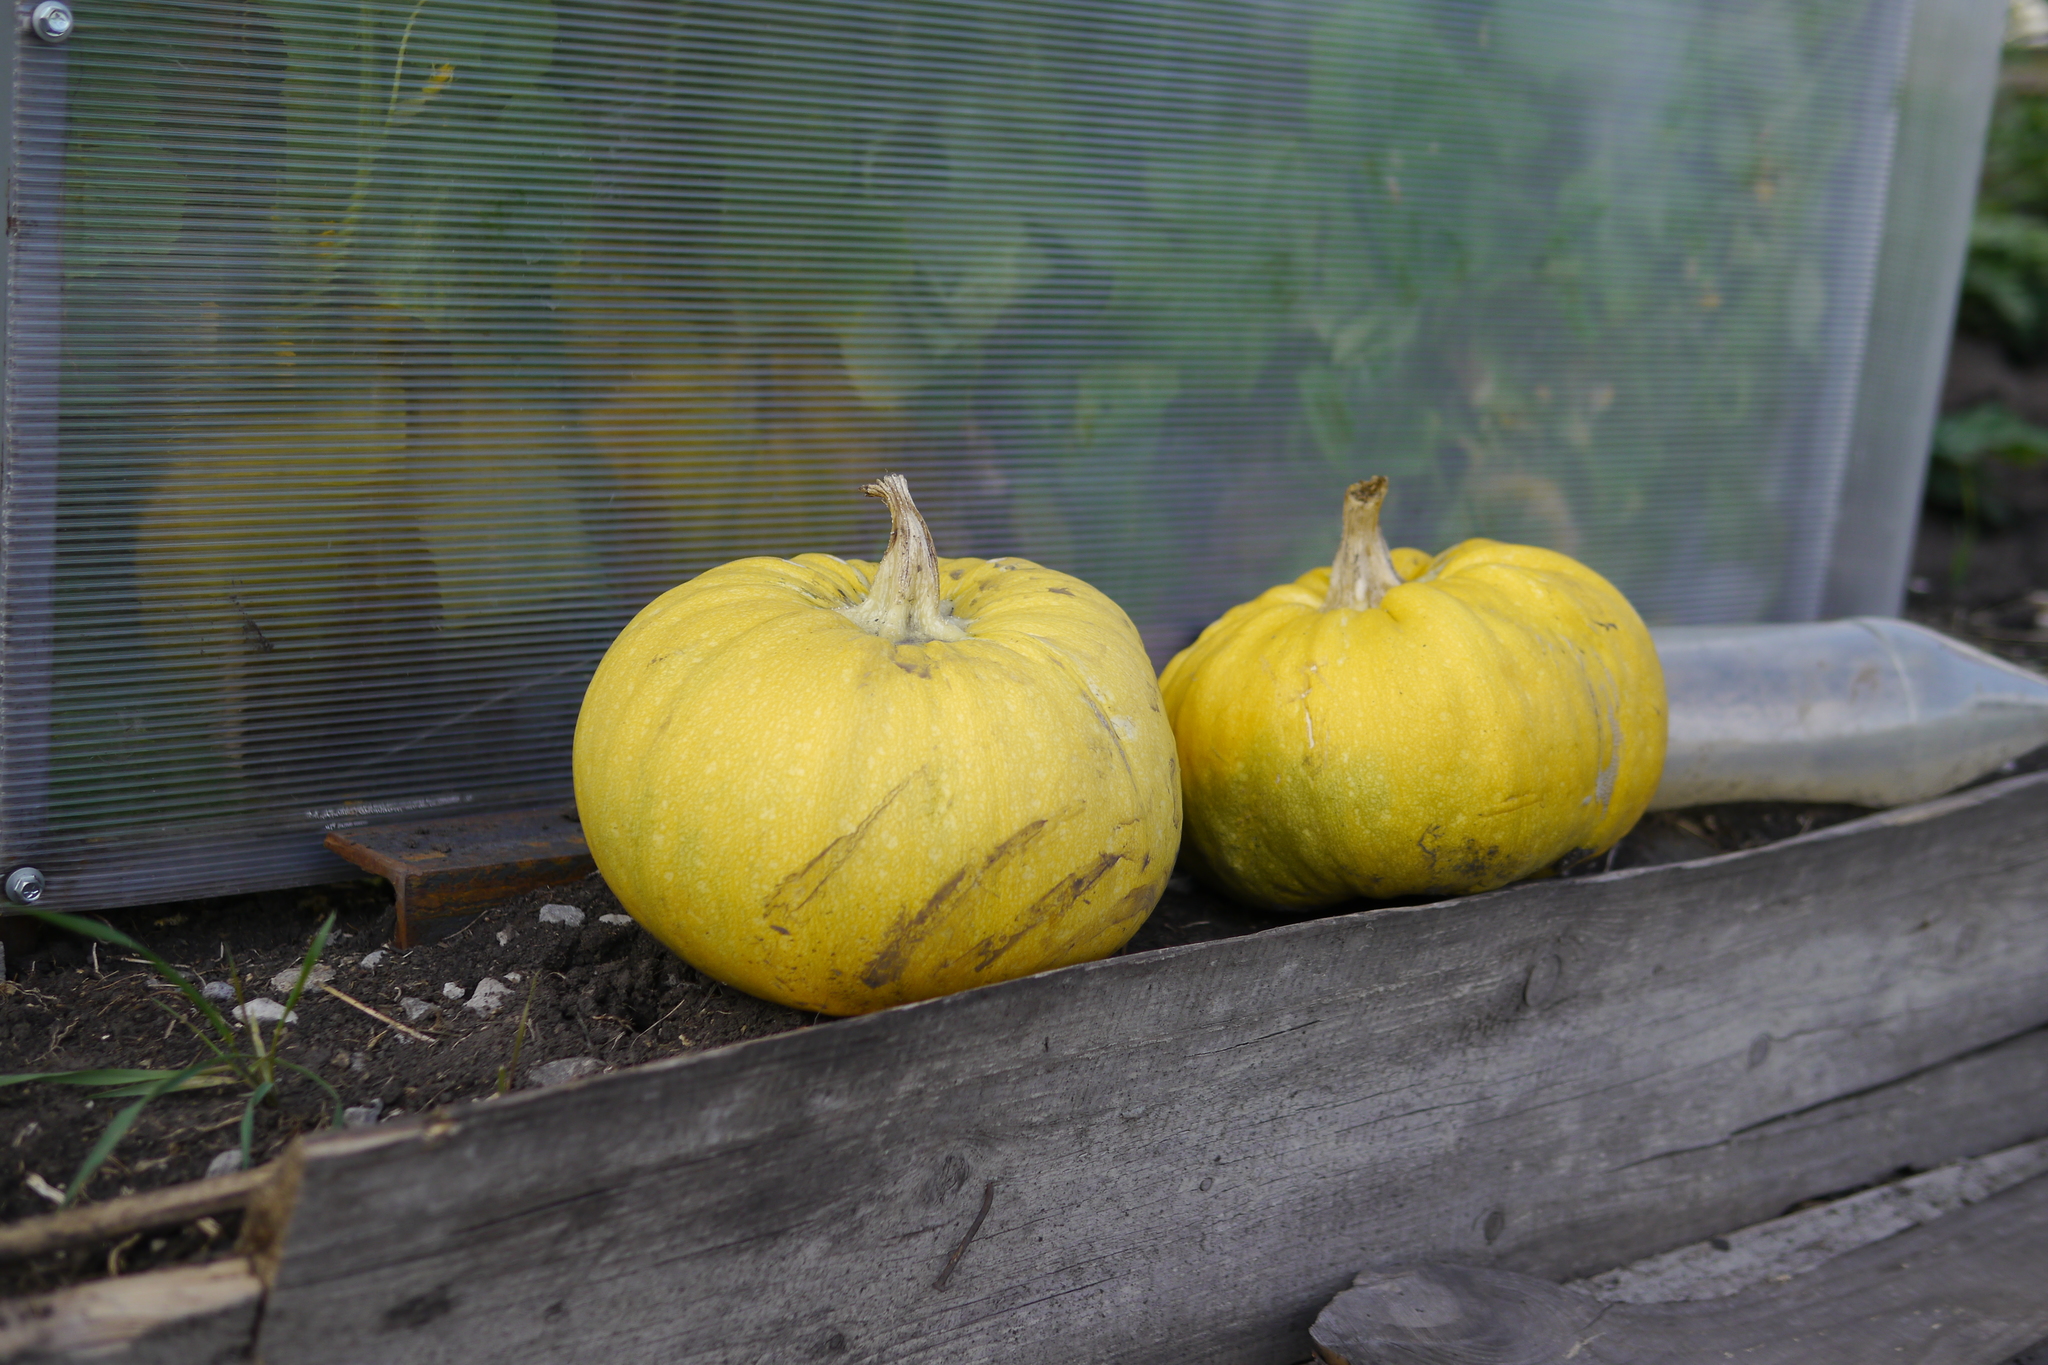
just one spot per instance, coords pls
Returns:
(1989, 430)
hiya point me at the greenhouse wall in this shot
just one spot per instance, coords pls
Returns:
(369, 366)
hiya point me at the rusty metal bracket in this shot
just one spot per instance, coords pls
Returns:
(443, 869)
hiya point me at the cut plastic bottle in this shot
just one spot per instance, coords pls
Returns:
(1869, 710)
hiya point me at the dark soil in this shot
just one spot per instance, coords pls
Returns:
(602, 991)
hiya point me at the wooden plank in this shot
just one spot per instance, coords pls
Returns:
(1192, 1150)
(116, 1218)
(1809, 1237)
(439, 869)
(187, 1315)
(1982, 1101)
(1965, 1289)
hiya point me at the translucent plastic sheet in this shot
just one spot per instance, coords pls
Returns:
(393, 356)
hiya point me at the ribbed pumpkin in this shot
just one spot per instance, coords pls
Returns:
(842, 785)
(1399, 724)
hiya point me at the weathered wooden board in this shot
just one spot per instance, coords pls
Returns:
(1814, 1234)
(1182, 1155)
(187, 1315)
(1965, 1289)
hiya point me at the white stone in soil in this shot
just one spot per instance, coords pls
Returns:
(372, 961)
(489, 996)
(451, 991)
(283, 982)
(563, 1069)
(225, 1163)
(561, 914)
(263, 1011)
(614, 919)
(361, 1115)
(217, 990)
(504, 937)
(415, 1008)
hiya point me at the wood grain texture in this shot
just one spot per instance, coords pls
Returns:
(1810, 1237)
(188, 1315)
(1192, 1150)
(116, 1218)
(1965, 1289)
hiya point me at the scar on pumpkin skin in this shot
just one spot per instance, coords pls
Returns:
(1048, 909)
(1134, 904)
(830, 859)
(889, 965)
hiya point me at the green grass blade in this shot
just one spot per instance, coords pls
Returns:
(105, 1076)
(106, 933)
(208, 1079)
(231, 1060)
(321, 1081)
(24, 1077)
(256, 1097)
(313, 951)
(118, 1129)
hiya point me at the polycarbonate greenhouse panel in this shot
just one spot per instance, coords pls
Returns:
(369, 365)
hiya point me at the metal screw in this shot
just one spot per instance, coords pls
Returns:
(24, 886)
(51, 20)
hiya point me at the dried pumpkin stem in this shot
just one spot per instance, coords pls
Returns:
(905, 604)
(1363, 571)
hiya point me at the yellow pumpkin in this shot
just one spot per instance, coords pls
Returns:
(1399, 724)
(841, 785)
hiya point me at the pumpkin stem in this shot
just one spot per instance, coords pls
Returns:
(1363, 571)
(904, 604)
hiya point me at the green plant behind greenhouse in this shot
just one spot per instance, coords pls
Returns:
(406, 352)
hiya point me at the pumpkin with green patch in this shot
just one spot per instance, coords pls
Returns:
(842, 785)
(1400, 725)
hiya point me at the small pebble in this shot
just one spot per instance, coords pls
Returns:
(504, 937)
(263, 1011)
(614, 919)
(225, 1163)
(563, 1069)
(414, 1008)
(489, 997)
(217, 990)
(511, 976)
(283, 982)
(372, 961)
(561, 914)
(361, 1115)
(451, 991)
